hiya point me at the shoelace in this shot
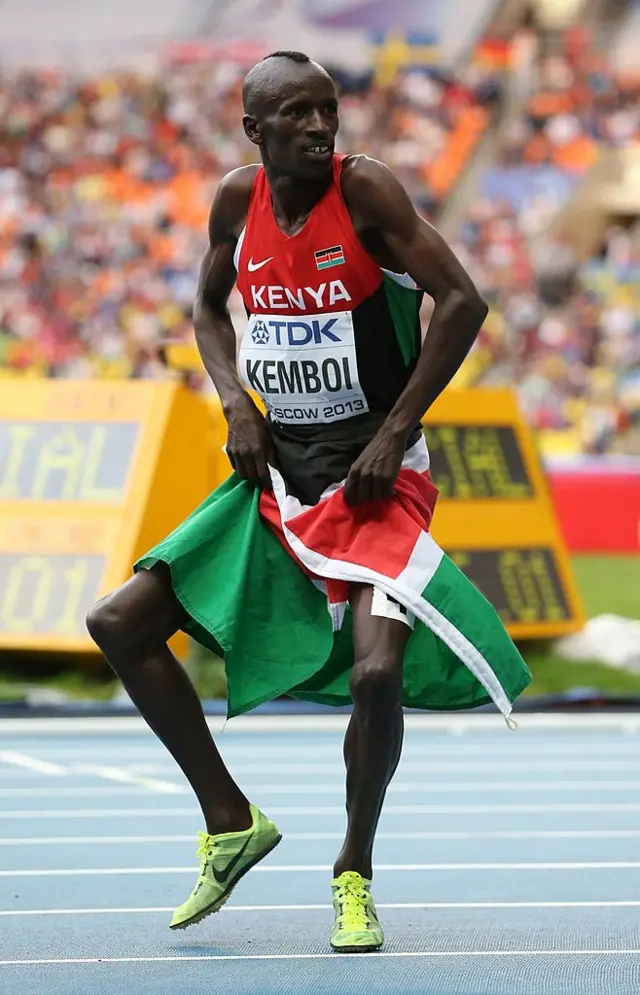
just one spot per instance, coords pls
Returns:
(205, 845)
(353, 898)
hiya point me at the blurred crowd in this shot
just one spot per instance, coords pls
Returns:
(571, 101)
(564, 330)
(566, 333)
(106, 184)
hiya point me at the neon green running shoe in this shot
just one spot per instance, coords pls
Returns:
(224, 859)
(356, 928)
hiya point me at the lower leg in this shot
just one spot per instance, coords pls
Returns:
(373, 745)
(163, 693)
(131, 627)
(373, 742)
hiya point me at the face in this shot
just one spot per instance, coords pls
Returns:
(297, 125)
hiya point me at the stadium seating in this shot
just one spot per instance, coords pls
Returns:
(564, 329)
(106, 182)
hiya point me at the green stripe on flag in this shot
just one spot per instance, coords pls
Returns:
(249, 601)
(469, 612)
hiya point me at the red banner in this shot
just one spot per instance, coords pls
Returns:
(599, 509)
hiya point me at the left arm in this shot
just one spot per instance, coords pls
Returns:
(378, 201)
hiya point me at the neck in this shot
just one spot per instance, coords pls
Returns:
(294, 198)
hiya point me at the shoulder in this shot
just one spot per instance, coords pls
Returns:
(363, 178)
(372, 193)
(238, 182)
(231, 201)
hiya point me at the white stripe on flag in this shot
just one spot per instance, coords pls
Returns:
(427, 613)
(422, 564)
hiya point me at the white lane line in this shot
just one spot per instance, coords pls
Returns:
(408, 767)
(439, 749)
(17, 775)
(442, 787)
(459, 724)
(501, 834)
(577, 952)
(131, 777)
(130, 790)
(418, 759)
(132, 781)
(320, 811)
(99, 813)
(108, 840)
(439, 906)
(453, 787)
(14, 759)
(578, 865)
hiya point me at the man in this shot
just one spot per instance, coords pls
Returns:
(311, 570)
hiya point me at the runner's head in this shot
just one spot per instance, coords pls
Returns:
(291, 113)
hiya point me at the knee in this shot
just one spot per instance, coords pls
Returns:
(139, 616)
(107, 623)
(375, 680)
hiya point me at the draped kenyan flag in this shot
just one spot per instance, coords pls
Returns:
(264, 581)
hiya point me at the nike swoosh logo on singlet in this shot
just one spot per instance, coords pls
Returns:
(222, 875)
(252, 267)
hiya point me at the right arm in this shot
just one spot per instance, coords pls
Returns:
(248, 443)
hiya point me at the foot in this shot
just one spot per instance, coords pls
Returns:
(225, 858)
(356, 928)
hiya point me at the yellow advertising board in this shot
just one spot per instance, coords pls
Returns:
(495, 517)
(91, 475)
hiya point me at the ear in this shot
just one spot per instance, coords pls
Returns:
(252, 129)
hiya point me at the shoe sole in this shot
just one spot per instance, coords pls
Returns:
(226, 895)
(356, 950)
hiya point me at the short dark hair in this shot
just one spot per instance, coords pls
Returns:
(287, 54)
(260, 79)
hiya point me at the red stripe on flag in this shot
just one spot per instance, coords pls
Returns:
(379, 535)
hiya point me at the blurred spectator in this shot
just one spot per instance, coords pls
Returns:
(106, 183)
(575, 104)
(105, 189)
(567, 334)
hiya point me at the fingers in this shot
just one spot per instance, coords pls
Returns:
(252, 466)
(350, 490)
(361, 486)
(239, 464)
(262, 472)
(269, 459)
(357, 488)
(365, 488)
(381, 488)
(249, 445)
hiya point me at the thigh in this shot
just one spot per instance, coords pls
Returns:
(376, 635)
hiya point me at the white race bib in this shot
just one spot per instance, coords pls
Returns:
(304, 368)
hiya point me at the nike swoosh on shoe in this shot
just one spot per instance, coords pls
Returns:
(223, 875)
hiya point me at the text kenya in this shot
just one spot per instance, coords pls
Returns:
(303, 298)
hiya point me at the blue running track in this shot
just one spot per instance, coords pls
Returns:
(506, 864)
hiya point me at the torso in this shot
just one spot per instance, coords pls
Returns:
(331, 336)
